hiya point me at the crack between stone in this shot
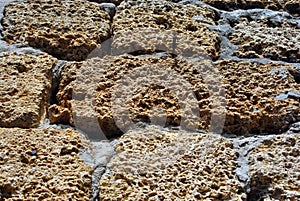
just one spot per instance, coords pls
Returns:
(244, 146)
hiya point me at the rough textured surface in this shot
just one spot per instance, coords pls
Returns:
(42, 164)
(292, 6)
(260, 98)
(62, 112)
(65, 29)
(123, 94)
(267, 38)
(275, 169)
(147, 167)
(149, 26)
(106, 77)
(25, 84)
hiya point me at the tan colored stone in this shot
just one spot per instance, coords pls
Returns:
(149, 26)
(292, 6)
(63, 113)
(43, 164)
(110, 76)
(25, 85)
(259, 97)
(263, 39)
(65, 29)
(152, 164)
(275, 169)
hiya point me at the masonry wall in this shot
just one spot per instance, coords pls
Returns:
(149, 100)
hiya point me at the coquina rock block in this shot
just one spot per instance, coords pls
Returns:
(25, 87)
(275, 169)
(68, 30)
(149, 26)
(292, 6)
(260, 98)
(126, 90)
(116, 92)
(43, 164)
(267, 38)
(152, 164)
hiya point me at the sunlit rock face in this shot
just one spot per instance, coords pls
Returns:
(149, 100)
(171, 88)
(187, 22)
(270, 38)
(25, 88)
(275, 169)
(259, 97)
(43, 164)
(184, 166)
(68, 30)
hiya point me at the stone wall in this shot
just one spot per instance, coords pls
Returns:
(149, 100)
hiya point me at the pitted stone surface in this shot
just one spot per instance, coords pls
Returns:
(42, 164)
(149, 26)
(114, 75)
(257, 96)
(25, 84)
(260, 98)
(152, 164)
(68, 30)
(275, 169)
(276, 40)
(292, 6)
(62, 112)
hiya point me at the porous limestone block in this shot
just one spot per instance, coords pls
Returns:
(259, 98)
(151, 26)
(275, 169)
(267, 38)
(43, 164)
(68, 30)
(25, 88)
(166, 89)
(155, 164)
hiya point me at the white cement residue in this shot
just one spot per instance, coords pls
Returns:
(245, 145)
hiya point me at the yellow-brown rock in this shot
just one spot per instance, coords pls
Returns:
(191, 69)
(260, 98)
(267, 39)
(68, 30)
(99, 80)
(63, 113)
(292, 6)
(152, 164)
(42, 164)
(25, 87)
(149, 26)
(275, 169)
